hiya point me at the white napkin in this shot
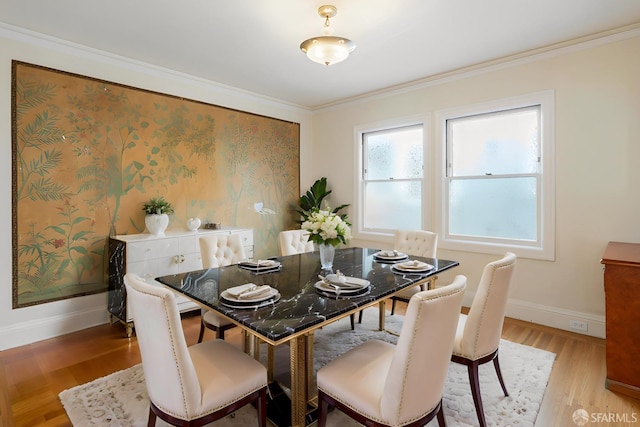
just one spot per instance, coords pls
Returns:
(390, 253)
(337, 278)
(414, 265)
(249, 291)
(341, 281)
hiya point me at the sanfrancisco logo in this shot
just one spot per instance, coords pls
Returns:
(582, 417)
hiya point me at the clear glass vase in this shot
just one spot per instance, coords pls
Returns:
(327, 252)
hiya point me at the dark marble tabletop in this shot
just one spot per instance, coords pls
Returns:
(300, 306)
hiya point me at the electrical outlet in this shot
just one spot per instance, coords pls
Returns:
(577, 325)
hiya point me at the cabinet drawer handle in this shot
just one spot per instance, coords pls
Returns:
(179, 259)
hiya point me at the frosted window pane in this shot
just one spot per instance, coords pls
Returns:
(499, 208)
(497, 144)
(393, 205)
(395, 154)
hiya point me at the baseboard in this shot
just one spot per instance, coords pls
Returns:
(19, 334)
(557, 317)
(622, 388)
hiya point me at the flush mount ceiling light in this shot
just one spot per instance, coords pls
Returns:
(327, 49)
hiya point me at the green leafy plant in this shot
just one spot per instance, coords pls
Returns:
(158, 205)
(311, 201)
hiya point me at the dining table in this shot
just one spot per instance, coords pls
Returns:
(302, 300)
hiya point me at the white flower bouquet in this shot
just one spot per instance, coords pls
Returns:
(327, 227)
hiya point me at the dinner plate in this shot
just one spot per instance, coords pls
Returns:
(390, 256)
(410, 267)
(324, 287)
(251, 304)
(326, 291)
(349, 282)
(260, 263)
(262, 297)
(254, 266)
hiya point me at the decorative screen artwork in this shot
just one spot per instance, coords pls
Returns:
(88, 153)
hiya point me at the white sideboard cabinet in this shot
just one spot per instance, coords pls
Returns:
(154, 255)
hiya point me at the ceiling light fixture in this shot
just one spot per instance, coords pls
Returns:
(327, 49)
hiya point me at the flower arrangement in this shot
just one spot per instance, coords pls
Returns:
(157, 206)
(327, 227)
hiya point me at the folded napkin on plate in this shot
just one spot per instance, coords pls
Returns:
(249, 291)
(414, 265)
(261, 263)
(341, 281)
(389, 254)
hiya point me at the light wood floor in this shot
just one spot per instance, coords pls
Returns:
(31, 377)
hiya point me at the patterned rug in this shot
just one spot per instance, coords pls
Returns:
(120, 399)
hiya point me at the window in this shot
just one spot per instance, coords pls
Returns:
(392, 180)
(497, 190)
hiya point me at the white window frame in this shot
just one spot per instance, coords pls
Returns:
(358, 231)
(544, 246)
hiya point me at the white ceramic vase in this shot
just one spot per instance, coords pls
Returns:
(156, 223)
(193, 224)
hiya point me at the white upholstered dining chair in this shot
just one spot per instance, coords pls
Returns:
(294, 242)
(218, 250)
(381, 384)
(189, 386)
(479, 332)
(420, 243)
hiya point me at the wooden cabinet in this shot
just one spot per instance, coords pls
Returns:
(153, 255)
(622, 294)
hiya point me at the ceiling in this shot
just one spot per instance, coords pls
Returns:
(254, 44)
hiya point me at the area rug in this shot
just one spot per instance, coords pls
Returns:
(120, 399)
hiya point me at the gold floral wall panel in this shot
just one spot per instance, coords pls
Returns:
(87, 153)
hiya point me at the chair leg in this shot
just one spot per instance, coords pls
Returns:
(393, 305)
(360, 316)
(496, 365)
(323, 408)
(201, 334)
(440, 415)
(352, 318)
(262, 408)
(220, 333)
(474, 381)
(152, 418)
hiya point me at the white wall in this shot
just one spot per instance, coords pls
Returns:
(598, 164)
(26, 325)
(597, 90)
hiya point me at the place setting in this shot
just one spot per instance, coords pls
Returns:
(390, 257)
(260, 265)
(412, 267)
(339, 285)
(249, 295)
